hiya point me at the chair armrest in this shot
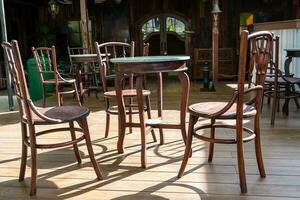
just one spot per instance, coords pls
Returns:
(42, 116)
(227, 107)
(256, 89)
(63, 79)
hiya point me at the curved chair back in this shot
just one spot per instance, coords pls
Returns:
(260, 45)
(108, 50)
(76, 51)
(16, 70)
(45, 59)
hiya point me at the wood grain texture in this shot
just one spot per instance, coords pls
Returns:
(60, 177)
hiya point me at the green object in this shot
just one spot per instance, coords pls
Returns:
(206, 75)
(246, 19)
(34, 81)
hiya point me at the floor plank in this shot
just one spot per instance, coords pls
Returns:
(60, 177)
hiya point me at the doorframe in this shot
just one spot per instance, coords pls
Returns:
(173, 14)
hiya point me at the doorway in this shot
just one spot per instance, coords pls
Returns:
(165, 34)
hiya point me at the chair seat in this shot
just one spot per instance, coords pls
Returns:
(207, 109)
(63, 113)
(110, 77)
(126, 93)
(292, 80)
(52, 81)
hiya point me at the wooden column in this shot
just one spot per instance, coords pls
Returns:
(84, 24)
(4, 38)
(215, 41)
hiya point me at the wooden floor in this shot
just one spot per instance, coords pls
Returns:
(60, 177)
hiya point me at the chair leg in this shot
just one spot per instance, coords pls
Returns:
(188, 145)
(269, 97)
(297, 102)
(161, 136)
(240, 159)
(148, 105)
(285, 107)
(24, 152)
(274, 106)
(263, 98)
(130, 114)
(107, 119)
(33, 160)
(61, 100)
(75, 146)
(258, 151)
(211, 144)
(84, 126)
(44, 95)
(77, 94)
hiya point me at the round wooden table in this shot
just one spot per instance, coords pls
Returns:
(79, 59)
(290, 54)
(141, 66)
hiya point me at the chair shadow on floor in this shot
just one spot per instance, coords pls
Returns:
(67, 163)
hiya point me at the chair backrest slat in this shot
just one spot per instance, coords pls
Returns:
(260, 51)
(16, 70)
(106, 51)
(260, 55)
(77, 51)
(45, 59)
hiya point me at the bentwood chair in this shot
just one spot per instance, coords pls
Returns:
(75, 51)
(89, 74)
(32, 116)
(278, 85)
(236, 109)
(45, 59)
(105, 52)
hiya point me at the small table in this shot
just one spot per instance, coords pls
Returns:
(78, 59)
(141, 66)
(290, 54)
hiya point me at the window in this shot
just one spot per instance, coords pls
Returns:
(153, 25)
(175, 25)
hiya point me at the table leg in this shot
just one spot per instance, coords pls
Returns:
(160, 104)
(121, 110)
(140, 99)
(285, 107)
(287, 63)
(185, 82)
(79, 79)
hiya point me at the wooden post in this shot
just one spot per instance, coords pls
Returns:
(84, 24)
(84, 30)
(4, 38)
(215, 41)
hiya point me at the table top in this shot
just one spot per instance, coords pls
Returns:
(292, 49)
(292, 52)
(150, 59)
(150, 64)
(84, 58)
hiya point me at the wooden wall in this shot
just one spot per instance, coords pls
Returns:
(197, 13)
(24, 17)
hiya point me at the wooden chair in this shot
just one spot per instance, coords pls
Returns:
(45, 59)
(260, 47)
(114, 50)
(31, 116)
(278, 85)
(75, 51)
(89, 75)
(159, 80)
